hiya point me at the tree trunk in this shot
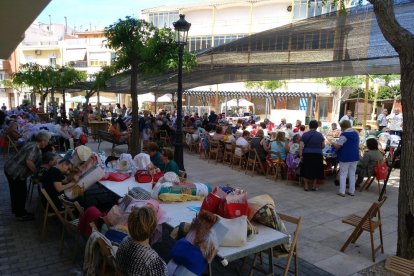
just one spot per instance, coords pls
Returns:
(134, 145)
(403, 42)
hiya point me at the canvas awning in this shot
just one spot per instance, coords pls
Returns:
(77, 99)
(75, 54)
(102, 99)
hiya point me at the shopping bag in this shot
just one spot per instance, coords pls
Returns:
(234, 205)
(381, 171)
(211, 203)
(237, 231)
(116, 176)
(83, 139)
(90, 177)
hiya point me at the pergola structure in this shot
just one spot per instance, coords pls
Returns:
(329, 45)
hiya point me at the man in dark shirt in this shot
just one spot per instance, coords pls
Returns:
(212, 119)
(54, 181)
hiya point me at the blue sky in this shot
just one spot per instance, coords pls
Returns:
(99, 13)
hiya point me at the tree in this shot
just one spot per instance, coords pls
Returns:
(402, 41)
(66, 78)
(99, 81)
(388, 78)
(140, 48)
(264, 85)
(388, 92)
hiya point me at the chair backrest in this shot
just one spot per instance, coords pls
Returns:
(69, 207)
(11, 143)
(252, 154)
(106, 252)
(375, 209)
(214, 145)
(275, 153)
(298, 222)
(52, 205)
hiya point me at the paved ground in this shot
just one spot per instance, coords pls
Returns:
(21, 252)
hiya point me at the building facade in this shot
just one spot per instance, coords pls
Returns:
(214, 23)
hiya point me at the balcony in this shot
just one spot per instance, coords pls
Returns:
(77, 64)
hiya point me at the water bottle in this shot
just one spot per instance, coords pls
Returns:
(102, 155)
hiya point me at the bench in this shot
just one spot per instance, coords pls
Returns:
(108, 137)
(399, 266)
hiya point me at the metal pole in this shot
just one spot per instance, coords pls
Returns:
(178, 156)
(366, 99)
(64, 104)
(225, 111)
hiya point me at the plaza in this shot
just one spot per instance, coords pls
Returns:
(126, 146)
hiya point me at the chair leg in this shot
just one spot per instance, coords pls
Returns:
(285, 273)
(61, 240)
(381, 240)
(253, 264)
(371, 235)
(42, 234)
(296, 264)
(357, 236)
(350, 239)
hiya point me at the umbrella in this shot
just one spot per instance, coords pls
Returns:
(77, 99)
(102, 99)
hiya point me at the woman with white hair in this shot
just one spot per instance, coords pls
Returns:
(18, 168)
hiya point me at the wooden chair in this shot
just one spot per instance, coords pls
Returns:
(67, 219)
(50, 210)
(214, 150)
(276, 165)
(164, 138)
(10, 145)
(238, 159)
(228, 155)
(108, 266)
(369, 223)
(193, 146)
(278, 253)
(253, 161)
(400, 266)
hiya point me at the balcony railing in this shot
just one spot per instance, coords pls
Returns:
(40, 43)
(77, 64)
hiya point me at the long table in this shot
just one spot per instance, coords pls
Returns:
(266, 239)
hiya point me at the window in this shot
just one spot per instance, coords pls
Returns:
(323, 109)
(97, 63)
(2, 76)
(52, 61)
(163, 19)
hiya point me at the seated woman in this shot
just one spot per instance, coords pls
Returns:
(134, 255)
(55, 183)
(292, 158)
(259, 144)
(279, 146)
(243, 142)
(155, 155)
(169, 164)
(121, 137)
(229, 138)
(365, 167)
(218, 135)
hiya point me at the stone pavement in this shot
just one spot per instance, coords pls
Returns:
(21, 252)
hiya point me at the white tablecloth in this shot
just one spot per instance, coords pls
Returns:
(179, 212)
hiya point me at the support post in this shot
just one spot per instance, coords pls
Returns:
(178, 156)
(366, 99)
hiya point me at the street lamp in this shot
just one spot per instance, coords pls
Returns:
(181, 28)
(62, 74)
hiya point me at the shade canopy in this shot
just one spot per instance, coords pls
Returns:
(165, 98)
(102, 99)
(329, 45)
(77, 99)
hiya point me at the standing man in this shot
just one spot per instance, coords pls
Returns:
(396, 122)
(347, 117)
(4, 107)
(382, 119)
(347, 148)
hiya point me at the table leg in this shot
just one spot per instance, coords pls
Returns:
(210, 272)
(271, 269)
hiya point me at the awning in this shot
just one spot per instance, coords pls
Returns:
(240, 94)
(77, 99)
(75, 54)
(165, 99)
(102, 99)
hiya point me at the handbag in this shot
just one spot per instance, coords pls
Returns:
(237, 231)
(143, 176)
(83, 139)
(157, 176)
(381, 171)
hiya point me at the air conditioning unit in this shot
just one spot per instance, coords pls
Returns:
(38, 52)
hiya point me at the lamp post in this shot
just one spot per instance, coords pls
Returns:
(62, 75)
(181, 28)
